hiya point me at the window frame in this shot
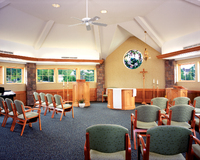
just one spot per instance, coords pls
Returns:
(48, 75)
(179, 72)
(65, 69)
(22, 75)
(1, 75)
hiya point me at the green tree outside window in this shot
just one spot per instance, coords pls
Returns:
(187, 72)
(13, 75)
(45, 75)
(66, 75)
(88, 75)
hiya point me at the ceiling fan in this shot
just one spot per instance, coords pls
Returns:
(87, 21)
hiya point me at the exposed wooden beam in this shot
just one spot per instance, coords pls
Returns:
(149, 30)
(48, 59)
(44, 34)
(4, 3)
(176, 53)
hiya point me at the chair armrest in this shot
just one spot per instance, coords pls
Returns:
(32, 109)
(67, 101)
(27, 107)
(128, 147)
(197, 116)
(141, 149)
(196, 140)
(132, 117)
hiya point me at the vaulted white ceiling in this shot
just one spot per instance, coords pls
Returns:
(35, 28)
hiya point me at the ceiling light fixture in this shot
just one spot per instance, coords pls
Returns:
(104, 11)
(146, 53)
(56, 5)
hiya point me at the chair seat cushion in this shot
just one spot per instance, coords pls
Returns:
(96, 155)
(11, 113)
(163, 111)
(174, 123)
(156, 156)
(28, 115)
(64, 105)
(196, 149)
(105, 95)
(197, 121)
(197, 110)
(3, 111)
(37, 102)
(146, 125)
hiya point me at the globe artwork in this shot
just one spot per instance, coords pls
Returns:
(133, 59)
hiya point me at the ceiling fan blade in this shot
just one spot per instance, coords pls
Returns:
(75, 24)
(88, 27)
(99, 24)
(94, 18)
(77, 18)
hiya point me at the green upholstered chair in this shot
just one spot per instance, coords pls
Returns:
(107, 141)
(146, 116)
(196, 105)
(61, 107)
(24, 117)
(161, 102)
(181, 115)
(196, 148)
(166, 143)
(35, 98)
(181, 100)
(49, 103)
(3, 110)
(104, 94)
(9, 110)
(41, 99)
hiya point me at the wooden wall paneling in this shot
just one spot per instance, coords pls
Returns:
(21, 95)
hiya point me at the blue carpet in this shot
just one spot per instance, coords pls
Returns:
(59, 139)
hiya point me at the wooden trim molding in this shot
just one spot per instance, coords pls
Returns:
(176, 53)
(48, 59)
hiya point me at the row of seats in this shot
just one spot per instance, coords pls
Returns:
(52, 103)
(19, 113)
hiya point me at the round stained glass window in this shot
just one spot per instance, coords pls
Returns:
(133, 59)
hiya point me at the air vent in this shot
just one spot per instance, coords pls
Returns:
(191, 46)
(69, 57)
(6, 52)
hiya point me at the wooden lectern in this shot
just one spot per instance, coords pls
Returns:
(176, 91)
(81, 90)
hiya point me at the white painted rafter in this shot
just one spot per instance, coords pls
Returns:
(4, 3)
(149, 30)
(97, 40)
(44, 34)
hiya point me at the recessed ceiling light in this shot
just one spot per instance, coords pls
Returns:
(56, 5)
(104, 11)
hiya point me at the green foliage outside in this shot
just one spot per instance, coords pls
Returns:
(189, 74)
(67, 74)
(45, 75)
(13, 75)
(88, 75)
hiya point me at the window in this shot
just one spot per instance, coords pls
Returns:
(88, 75)
(13, 75)
(45, 75)
(66, 75)
(187, 72)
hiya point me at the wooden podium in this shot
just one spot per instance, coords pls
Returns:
(81, 90)
(176, 91)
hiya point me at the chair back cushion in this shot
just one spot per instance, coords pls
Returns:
(9, 102)
(147, 113)
(57, 99)
(197, 102)
(169, 140)
(49, 98)
(18, 104)
(42, 97)
(35, 95)
(160, 102)
(182, 113)
(1, 103)
(107, 138)
(181, 100)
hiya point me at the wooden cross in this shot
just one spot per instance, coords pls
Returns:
(143, 93)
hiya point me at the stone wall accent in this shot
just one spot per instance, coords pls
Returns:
(31, 82)
(100, 80)
(169, 73)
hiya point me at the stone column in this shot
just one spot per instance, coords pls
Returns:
(100, 80)
(169, 73)
(31, 82)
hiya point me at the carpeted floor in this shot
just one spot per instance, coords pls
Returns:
(58, 139)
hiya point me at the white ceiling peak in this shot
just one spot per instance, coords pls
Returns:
(97, 40)
(43, 34)
(149, 30)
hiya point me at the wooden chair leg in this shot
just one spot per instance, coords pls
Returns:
(61, 116)
(72, 112)
(40, 123)
(23, 128)
(13, 125)
(131, 130)
(134, 135)
(53, 113)
(30, 125)
(45, 111)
